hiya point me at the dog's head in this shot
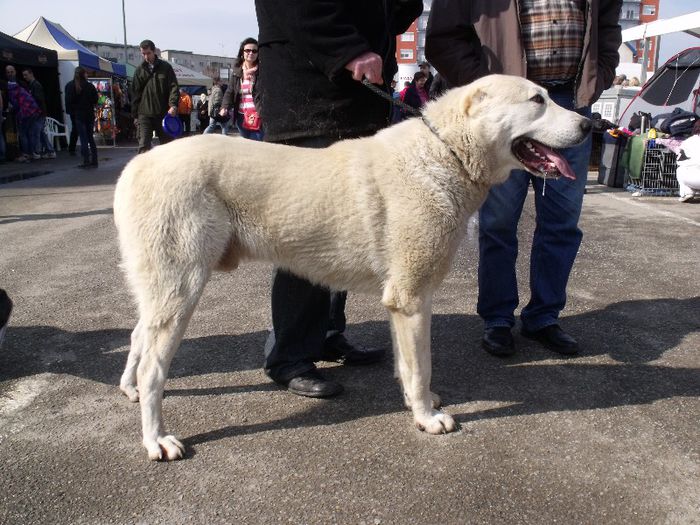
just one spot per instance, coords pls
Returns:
(519, 124)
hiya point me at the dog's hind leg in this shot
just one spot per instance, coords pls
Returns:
(127, 384)
(161, 338)
(411, 328)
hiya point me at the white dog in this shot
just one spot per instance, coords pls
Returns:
(382, 215)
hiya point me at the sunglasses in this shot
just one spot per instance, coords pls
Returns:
(250, 50)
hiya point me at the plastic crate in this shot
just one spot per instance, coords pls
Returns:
(658, 172)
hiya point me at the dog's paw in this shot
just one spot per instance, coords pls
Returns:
(165, 448)
(436, 423)
(130, 392)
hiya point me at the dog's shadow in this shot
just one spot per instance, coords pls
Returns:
(633, 334)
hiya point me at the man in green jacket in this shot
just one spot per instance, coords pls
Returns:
(154, 93)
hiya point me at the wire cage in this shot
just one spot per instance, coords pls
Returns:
(658, 173)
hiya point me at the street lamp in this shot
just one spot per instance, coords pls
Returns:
(126, 56)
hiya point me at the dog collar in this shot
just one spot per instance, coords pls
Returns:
(435, 132)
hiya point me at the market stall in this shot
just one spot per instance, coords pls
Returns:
(44, 64)
(70, 52)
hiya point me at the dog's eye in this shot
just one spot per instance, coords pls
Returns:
(537, 99)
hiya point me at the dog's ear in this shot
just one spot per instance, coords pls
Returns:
(471, 100)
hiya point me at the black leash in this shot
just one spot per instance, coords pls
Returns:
(413, 111)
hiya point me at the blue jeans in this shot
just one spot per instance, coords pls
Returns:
(44, 145)
(304, 315)
(225, 126)
(247, 133)
(555, 243)
(29, 134)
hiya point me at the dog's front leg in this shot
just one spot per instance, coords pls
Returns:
(411, 330)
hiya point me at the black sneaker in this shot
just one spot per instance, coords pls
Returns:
(5, 310)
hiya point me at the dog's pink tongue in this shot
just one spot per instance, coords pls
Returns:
(561, 164)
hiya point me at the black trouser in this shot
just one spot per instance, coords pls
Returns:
(146, 126)
(73, 140)
(185, 119)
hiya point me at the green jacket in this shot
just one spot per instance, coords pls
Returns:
(152, 94)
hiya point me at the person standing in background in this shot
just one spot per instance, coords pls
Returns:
(215, 118)
(184, 110)
(238, 101)
(43, 147)
(81, 98)
(154, 94)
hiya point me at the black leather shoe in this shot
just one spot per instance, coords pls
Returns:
(553, 338)
(313, 384)
(338, 350)
(498, 341)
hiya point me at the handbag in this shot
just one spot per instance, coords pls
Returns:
(251, 119)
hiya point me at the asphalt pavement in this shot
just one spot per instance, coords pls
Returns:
(610, 436)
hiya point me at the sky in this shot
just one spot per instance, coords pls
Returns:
(216, 30)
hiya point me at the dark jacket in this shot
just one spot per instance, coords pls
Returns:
(303, 88)
(36, 90)
(153, 94)
(232, 97)
(81, 105)
(411, 97)
(467, 39)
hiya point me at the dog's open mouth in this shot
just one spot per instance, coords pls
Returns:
(540, 160)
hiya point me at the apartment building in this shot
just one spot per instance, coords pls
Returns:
(210, 65)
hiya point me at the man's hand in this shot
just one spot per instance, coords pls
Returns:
(223, 112)
(172, 111)
(368, 65)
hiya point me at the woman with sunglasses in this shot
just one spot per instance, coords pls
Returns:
(239, 96)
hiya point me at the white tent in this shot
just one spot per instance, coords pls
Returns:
(51, 35)
(189, 77)
(689, 23)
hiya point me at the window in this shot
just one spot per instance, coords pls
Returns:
(648, 10)
(608, 111)
(407, 54)
(407, 37)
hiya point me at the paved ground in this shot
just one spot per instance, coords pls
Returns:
(611, 436)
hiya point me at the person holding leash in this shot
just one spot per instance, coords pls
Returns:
(314, 56)
(569, 47)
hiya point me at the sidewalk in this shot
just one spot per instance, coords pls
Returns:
(16, 171)
(607, 437)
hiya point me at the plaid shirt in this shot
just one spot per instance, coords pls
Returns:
(25, 106)
(552, 33)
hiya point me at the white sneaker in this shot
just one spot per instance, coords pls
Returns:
(687, 197)
(36, 156)
(51, 155)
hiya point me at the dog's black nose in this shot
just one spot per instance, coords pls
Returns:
(586, 125)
